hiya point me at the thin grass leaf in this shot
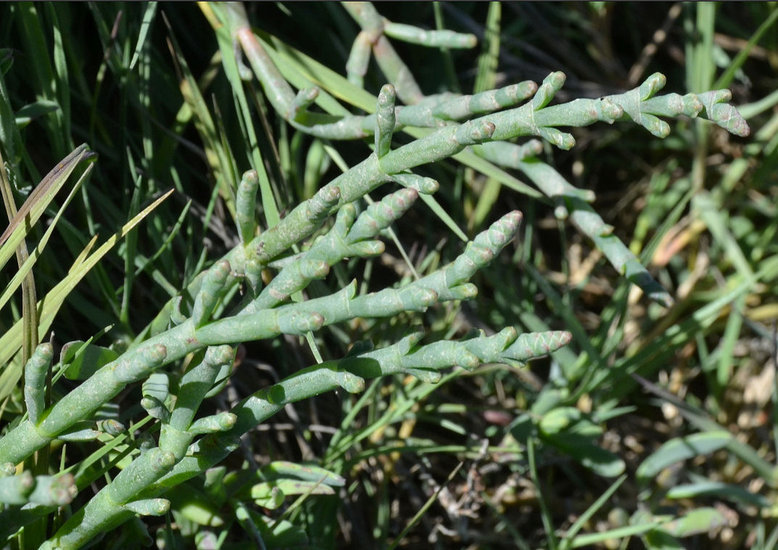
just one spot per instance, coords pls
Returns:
(680, 449)
(148, 19)
(429, 502)
(619, 533)
(219, 160)
(16, 281)
(571, 535)
(718, 489)
(38, 201)
(728, 75)
(485, 79)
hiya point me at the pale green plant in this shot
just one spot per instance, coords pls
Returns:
(205, 322)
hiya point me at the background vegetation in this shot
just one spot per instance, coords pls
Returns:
(655, 427)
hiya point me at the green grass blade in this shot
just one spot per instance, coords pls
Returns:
(726, 78)
(16, 281)
(145, 26)
(38, 201)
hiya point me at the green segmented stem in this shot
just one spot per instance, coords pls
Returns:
(520, 157)
(148, 358)
(111, 427)
(385, 120)
(440, 355)
(460, 107)
(196, 383)
(388, 302)
(301, 102)
(54, 490)
(433, 110)
(246, 204)
(35, 373)
(155, 395)
(579, 112)
(349, 237)
(359, 58)
(40, 490)
(291, 319)
(253, 273)
(380, 215)
(156, 386)
(115, 503)
(420, 109)
(16, 489)
(367, 249)
(722, 113)
(149, 507)
(508, 154)
(256, 326)
(140, 472)
(178, 432)
(633, 106)
(154, 408)
(120, 498)
(443, 143)
(82, 402)
(431, 39)
(292, 278)
(369, 174)
(536, 344)
(401, 357)
(276, 88)
(446, 284)
(547, 90)
(643, 107)
(476, 255)
(554, 185)
(220, 422)
(651, 85)
(422, 184)
(298, 224)
(672, 105)
(391, 65)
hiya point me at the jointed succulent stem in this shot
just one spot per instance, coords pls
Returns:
(486, 122)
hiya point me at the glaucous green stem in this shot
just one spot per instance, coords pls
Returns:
(114, 504)
(106, 383)
(117, 501)
(431, 39)
(138, 363)
(41, 490)
(449, 283)
(35, 372)
(528, 119)
(152, 473)
(385, 120)
(246, 204)
(349, 373)
(359, 58)
(638, 104)
(350, 236)
(385, 55)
